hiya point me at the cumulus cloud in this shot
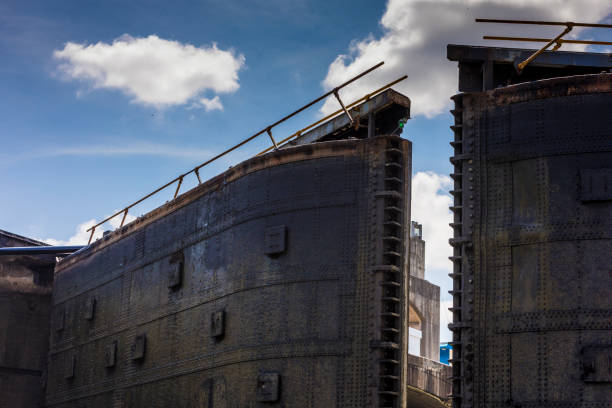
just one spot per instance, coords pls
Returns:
(81, 235)
(430, 202)
(446, 317)
(154, 71)
(415, 35)
(211, 104)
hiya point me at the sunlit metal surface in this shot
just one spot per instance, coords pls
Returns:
(532, 313)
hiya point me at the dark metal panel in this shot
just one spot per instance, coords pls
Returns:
(508, 55)
(372, 106)
(287, 282)
(486, 68)
(532, 309)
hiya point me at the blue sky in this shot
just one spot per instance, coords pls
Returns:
(286, 52)
(56, 132)
(83, 135)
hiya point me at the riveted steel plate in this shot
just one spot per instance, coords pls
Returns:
(535, 312)
(309, 312)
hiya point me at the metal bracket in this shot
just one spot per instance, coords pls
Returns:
(342, 104)
(60, 320)
(110, 354)
(70, 367)
(520, 66)
(178, 187)
(268, 387)
(217, 324)
(269, 131)
(93, 229)
(90, 308)
(557, 41)
(275, 240)
(139, 347)
(124, 215)
(175, 275)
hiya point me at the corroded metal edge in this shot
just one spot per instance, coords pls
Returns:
(549, 88)
(384, 177)
(303, 152)
(462, 258)
(457, 52)
(371, 106)
(467, 242)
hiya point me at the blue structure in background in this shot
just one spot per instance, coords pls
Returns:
(446, 352)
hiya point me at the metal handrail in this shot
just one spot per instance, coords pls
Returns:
(530, 39)
(267, 130)
(331, 115)
(558, 41)
(555, 23)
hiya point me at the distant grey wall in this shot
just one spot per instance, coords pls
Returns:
(425, 298)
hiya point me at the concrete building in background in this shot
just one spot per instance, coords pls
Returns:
(424, 307)
(25, 306)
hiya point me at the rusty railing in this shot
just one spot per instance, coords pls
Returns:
(558, 41)
(268, 131)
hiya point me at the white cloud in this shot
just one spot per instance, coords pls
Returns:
(81, 235)
(211, 104)
(415, 35)
(154, 71)
(446, 317)
(430, 202)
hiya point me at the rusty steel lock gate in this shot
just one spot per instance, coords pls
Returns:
(532, 242)
(281, 282)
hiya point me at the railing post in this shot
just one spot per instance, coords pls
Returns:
(178, 187)
(269, 131)
(124, 215)
(342, 104)
(91, 235)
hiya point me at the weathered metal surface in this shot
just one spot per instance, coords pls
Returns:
(533, 236)
(486, 68)
(362, 113)
(179, 180)
(281, 282)
(25, 307)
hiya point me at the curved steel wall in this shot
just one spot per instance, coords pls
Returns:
(281, 282)
(533, 245)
